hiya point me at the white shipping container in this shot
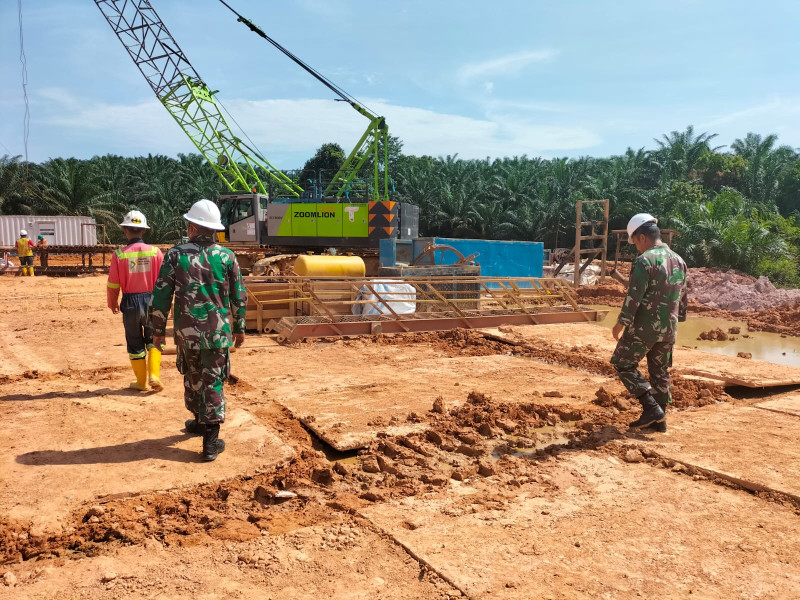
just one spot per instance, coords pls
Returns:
(57, 230)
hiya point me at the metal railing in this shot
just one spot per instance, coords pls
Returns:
(298, 307)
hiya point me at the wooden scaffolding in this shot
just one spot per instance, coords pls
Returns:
(597, 231)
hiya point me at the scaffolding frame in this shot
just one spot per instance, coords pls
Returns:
(591, 252)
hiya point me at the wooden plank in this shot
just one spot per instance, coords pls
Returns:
(269, 296)
(337, 295)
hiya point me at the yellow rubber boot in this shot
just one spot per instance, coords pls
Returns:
(154, 368)
(140, 370)
(30, 271)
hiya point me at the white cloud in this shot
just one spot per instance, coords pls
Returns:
(780, 116)
(427, 132)
(504, 65)
(286, 129)
(776, 108)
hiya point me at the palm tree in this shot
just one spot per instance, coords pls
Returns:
(727, 231)
(69, 187)
(166, 224)
(198, 178)
(764, 165)
(678, 152)
(11, 188)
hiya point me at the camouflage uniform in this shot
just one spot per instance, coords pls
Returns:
(210, 305)
(655, 303)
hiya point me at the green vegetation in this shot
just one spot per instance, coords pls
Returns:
(735, 209)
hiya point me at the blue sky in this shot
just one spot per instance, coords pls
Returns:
(479, 79)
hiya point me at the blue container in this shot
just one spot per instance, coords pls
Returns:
(497, 258)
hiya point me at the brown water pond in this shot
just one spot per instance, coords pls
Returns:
(769, 347)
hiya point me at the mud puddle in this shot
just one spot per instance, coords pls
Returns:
(769, 347)
(542, 439)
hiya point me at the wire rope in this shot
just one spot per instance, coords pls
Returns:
(26, 119)
(343, 95)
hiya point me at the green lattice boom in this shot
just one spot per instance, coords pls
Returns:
(187, 98)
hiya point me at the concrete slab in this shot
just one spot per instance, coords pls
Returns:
(788, 404)
(597, 341)
(754, 447)
(348, 401)
(68, 441)
(595, 528)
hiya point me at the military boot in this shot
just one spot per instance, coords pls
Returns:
(193, 427)
(660, 426)
(212, 445)
(651, 412)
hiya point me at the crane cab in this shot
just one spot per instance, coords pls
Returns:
(244, 217)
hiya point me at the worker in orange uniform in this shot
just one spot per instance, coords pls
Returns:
(25, 252)
(134, 270)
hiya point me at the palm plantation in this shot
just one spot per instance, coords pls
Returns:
(734, 209)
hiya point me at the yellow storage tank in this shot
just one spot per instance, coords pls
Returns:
(329, 266)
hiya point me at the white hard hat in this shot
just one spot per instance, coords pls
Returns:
(637, 221)
(206, 214)
(134, 219)
(23, 233)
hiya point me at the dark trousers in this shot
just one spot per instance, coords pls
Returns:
(629, 352)
(204, 374)
(138, 330)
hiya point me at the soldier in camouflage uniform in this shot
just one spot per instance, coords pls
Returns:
(209, 317)
(655, 303)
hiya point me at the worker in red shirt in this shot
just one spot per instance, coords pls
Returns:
(25, 252)
(134, 270)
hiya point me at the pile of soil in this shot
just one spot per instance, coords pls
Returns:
(725, 295)
(717, 335)
(735, 291)
(609, 293)
(784, 320)
(710, 288)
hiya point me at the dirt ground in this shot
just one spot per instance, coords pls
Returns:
(461, 464)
